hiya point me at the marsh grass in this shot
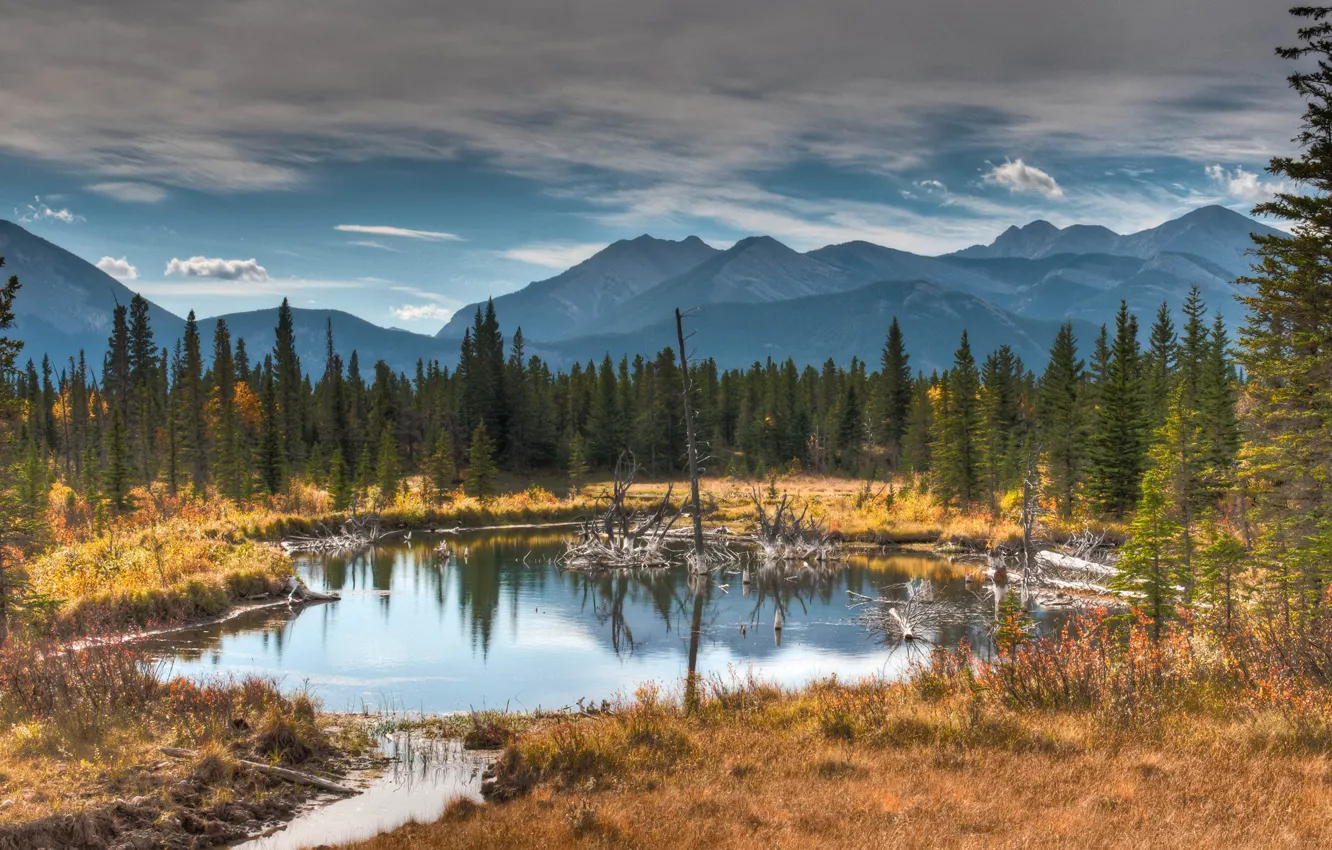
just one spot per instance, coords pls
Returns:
(1085, 737)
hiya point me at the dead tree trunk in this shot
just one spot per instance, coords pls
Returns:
(690, 437)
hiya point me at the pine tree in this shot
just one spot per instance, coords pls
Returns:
(440, 469)
(116, 479)
(1000, 420)
(920, 427)
(227, 463)
(850, 430)
(288, 387)
(387, 470)
(481, 470)
(339, 483)
(1159, 368)
(192, 431)
(1220, 570)
(271, 462)
(1063, 418)
(1287, 345)
(895, 392)
(1217, 419)
(1147, 566)
(956, 452)
(1117, 449)
(577, 463)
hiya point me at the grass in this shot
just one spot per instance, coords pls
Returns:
(80, 731)
(1186, 741)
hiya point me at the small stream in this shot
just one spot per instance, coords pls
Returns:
(422, 778)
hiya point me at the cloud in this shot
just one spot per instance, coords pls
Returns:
(39, 212)
(1243, 184)
(555, 255)
(217, 268)
(121, 268)
(405, 233)
(421, 313)
(1018, 177)
(370, 243)
(130, 192)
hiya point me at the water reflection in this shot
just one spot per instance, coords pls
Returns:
(494, 621)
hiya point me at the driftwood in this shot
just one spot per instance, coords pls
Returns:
(299, 594)
(785, 535)
(911, 618)
(617, 536)
(295, 777)
(355, 533)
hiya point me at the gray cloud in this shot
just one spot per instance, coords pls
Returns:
(129, 191)
(656, 88)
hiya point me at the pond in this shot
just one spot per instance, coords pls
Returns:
(496, 623)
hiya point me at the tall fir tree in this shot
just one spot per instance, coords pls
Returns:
(894, 394)
(1118, 444)
(1063, 419)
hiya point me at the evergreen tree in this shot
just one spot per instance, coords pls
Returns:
(850, 430)
(440, 469)
(481, 471)
(116, 479)
(1159, 368)
(1117, 449)
(1063, 419)
(271, 461)
(577, 463)
(956, 453)
(228, 466)
(1000, 420)
(895, 392)
(920, 427)
(387, 474)
(1287, 345)
(288, 387)
(339, 482)
(192, 432)
(1146, 568)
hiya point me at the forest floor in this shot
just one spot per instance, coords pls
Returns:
(914, 764)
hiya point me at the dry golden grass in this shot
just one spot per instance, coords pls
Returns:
(784, 772)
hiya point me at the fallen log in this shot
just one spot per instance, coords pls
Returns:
(293, 776)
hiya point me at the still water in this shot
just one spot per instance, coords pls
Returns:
(496, 623)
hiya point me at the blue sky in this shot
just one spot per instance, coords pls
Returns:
(403, 160)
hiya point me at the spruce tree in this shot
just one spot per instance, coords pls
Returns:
(1063, 418)
(192, 431)
(440, 468)
(999, 429)
(1287, 344)
(481, 471)
(956, 452)
(271, 462)
(1159, 368)
(1146, 568)
(577, 463)
(1118, 445)
(228, 466)
(387, 470)
(895, 392)
(288, 387)
(116, 479)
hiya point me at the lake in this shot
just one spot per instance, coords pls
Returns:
(496, 623)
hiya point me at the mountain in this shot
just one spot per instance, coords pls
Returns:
(398, 348)
(841, 326)
(590, 291)
(1215, 233)
(66, 302)
(755, 270)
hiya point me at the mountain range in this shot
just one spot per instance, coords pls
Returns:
(756, 299)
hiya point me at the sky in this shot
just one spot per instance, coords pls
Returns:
(402, 158)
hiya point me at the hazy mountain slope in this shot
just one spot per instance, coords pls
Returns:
(400, 349)
(753, 271)
(866, 262)
(580, 297)
(1213, 232)
(66, 302)
(839, 326)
